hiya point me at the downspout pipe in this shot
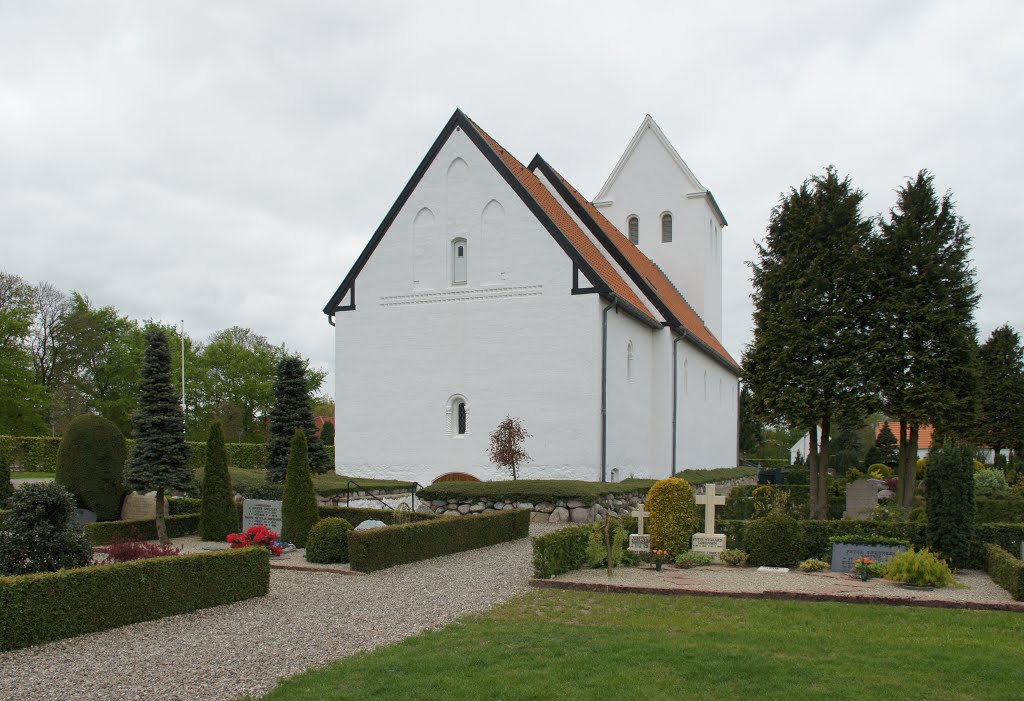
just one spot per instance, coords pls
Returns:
(675, 394)
(612, 304)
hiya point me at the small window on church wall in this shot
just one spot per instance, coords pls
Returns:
(629, 362)
(666, 228)
(633, 225)
(460, 256)
(461, 409)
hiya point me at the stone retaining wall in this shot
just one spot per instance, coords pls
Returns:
(561, 510)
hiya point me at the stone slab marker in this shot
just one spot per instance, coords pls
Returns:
(261, 512)
(709, 542)
(861, 499)
(140, 507)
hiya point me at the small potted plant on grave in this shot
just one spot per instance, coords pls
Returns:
(659, 557)
(866, 568)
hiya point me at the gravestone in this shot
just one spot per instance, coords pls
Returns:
(84, 516)
(861, 499)
(709, 542)
(844, 554)
(370, 523)
(140, 507)
(640, 542)
(261, 512)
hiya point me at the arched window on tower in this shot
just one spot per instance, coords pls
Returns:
(456, 419)
(633, 225)
(460, 256)
(461, 409)
(666, 228)
(629, 362)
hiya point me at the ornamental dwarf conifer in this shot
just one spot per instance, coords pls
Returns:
(293, 410)
(327, 433)
(160, 459)
(673, 515)
(949, 502)
(218, 515)
(299, 512)
(90, 465)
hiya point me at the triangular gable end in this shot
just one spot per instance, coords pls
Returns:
(583, 260)
(649, 124)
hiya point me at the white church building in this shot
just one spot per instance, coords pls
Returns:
(494, 289)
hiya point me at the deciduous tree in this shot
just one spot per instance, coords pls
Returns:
(506, 447)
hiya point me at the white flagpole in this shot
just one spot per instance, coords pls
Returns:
(182, 367)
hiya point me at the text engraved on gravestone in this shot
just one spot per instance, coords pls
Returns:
(639, 543)
(261, 512)
(844, 554)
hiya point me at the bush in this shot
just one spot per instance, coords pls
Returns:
(1006, 570)
(104, 533)
(597, 549)
(379, 548)
(1008, 508)
(327, 434)
(128, 550)
(692, 558)
(6, 488)
(918, 567)
(30, 453)
(298, 506)
(949, 503)
(673, 515)
(43, 607)
(219, 515)
(990, 483)
(560, 551)
(328, 541)
(41, 535)
(176, 506)
(264, 490)
(734, 557)
(880, 471)
(922, 468)
(740, 505)
(90, 463)
(773, 540)
(814, 565)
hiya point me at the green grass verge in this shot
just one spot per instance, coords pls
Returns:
(536, 491)
(574, 645)
(32, 475)
(326, 485)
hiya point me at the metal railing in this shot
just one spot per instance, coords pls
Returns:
(363, 490)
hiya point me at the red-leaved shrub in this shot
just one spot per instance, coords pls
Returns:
(126, 550)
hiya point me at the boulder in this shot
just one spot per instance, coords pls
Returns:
(140, 507)
(580, 515)
(424, 509)
(463, 508)
(545, 506)
(477, 508)
(499, 505)
(489, 511)
(538, 517)
(506, 507)
(439, 502)
(370, 523)
(524, 505)
(574, 504)
(559, 515)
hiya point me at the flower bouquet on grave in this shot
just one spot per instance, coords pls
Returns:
(260, 536)
(659, 557)
(867, 568)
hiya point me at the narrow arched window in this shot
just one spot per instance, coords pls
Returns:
(633, 225)
(461, 409)
(629, 362)
(666, 228)
(460, 256)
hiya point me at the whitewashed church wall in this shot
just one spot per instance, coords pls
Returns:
(629, 396)
(511, 341)
(706, 436)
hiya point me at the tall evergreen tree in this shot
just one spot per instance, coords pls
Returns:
(889, 445)
(293, 409)
(808, 364)
(327, 433)
(218, 515)
(160, 459)
(751, 430)
(1001, 390)
(299, 512)
(925, 335)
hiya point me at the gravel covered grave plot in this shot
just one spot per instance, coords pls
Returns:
(308, 619)
(978, 586)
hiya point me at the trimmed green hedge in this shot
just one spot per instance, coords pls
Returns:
(177, 506)
(356, 516)
(380, 548)
(177, 526)
(1006, 570)
(1003, 509)
(536, 491)
(560, 551)
(37, 608)
(39, 453)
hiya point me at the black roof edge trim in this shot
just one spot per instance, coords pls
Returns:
(457, 119)
(631, 309)
(708, 350)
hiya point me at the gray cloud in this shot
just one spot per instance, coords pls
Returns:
(225, 162)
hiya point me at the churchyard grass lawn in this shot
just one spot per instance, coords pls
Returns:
(576, 645)
(327, 484)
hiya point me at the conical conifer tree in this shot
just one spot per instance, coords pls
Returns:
(298, 505)
(1001, 365)
(293, 410)
(888, 445)
(160, 459)
(218, 516)
(327, 433)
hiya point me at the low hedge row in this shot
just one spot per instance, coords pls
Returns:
(816, 534)
(177, 506)
(103, 533)
(536, 491)
(560, 551)
(39, 453)
(37, 608)
(356, 516)
(1005, 570)
(380, 548)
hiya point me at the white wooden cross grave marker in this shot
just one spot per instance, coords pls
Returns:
(709, 542)
(640, 542)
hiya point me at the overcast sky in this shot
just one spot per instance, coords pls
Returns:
(225, 162)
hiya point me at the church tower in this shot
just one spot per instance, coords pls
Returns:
(654, 198)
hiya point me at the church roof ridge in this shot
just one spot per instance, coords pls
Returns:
(647, 275)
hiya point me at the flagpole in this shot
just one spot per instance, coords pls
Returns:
(183, 367)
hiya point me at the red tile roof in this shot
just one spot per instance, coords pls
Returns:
(570, 230)
(645, 268)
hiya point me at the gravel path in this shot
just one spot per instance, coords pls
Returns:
(308, 619)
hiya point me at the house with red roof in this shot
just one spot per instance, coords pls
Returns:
(493, 288)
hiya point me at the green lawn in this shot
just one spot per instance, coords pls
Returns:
(573, 645)
(32, 475)
(326, 485)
